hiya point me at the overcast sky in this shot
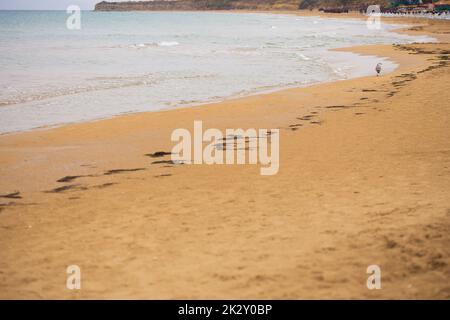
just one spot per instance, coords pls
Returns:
(47, 4)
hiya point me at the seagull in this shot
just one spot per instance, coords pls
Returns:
(378, 69)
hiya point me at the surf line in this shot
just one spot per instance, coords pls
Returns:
(230, 148)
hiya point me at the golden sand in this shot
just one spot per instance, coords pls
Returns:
(364, 180)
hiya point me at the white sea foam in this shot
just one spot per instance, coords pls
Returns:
(168, 43)
(303, 57)
(152, 45)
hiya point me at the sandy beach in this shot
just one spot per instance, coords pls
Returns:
(364, 180)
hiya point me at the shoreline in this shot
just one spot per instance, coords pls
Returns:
(274, 89)
(401, 30)
(365, 182)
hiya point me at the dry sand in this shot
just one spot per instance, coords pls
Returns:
(364, 180)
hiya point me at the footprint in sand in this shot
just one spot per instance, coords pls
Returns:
(158, 154)
(14, 195)
(118, 171)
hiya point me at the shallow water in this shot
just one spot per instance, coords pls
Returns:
(145, 61)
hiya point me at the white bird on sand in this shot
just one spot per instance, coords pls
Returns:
(378, 69)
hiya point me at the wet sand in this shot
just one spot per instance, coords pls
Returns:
(364, 179)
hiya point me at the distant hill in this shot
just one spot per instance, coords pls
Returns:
(199, 5)
(356, 4)
(233, 4)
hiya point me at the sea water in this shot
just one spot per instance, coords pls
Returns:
(126, 62)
